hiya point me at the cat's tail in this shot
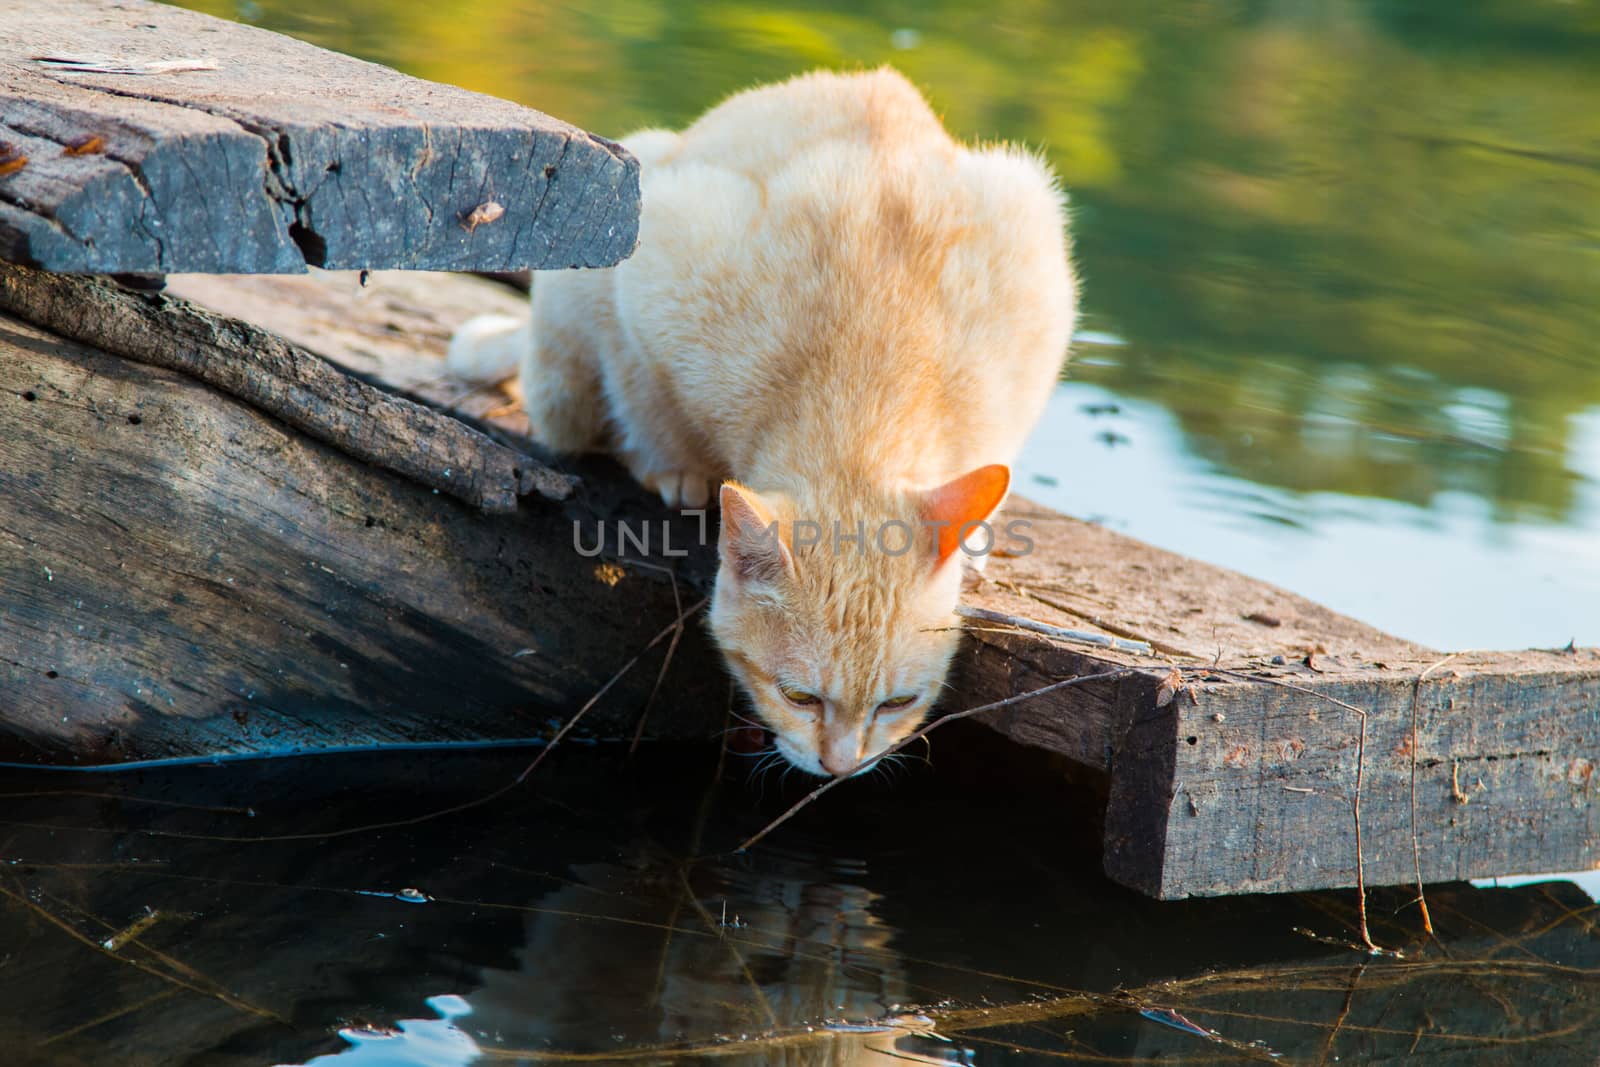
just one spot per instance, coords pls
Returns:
(489, 348)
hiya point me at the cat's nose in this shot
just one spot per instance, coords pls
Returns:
(839, 756)
(837, 764)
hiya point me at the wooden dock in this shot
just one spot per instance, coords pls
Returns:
(311, 600)
(141, 138)
(260, 519)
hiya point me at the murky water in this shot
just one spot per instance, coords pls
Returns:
(1340, 265)
(600, 914)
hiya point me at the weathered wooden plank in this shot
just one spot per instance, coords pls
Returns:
(281, 379)
(182, 574)
(276, 155)
(1253, 786)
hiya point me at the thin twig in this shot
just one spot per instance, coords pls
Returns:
(1344, 1011)
(1081, 679)
(1416, 848)
(731, 945)
(1028, 593)
(675, 627)
(115, 1013)
(666, 662)
(208, 989)
(1120, 644)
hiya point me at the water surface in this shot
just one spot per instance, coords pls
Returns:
(599, 914)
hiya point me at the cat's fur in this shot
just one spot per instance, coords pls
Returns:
(842, 312)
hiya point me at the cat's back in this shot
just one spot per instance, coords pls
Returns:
(765, 131)
(827, 230)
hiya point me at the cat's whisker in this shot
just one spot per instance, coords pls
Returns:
(763, 770)
(893, 765)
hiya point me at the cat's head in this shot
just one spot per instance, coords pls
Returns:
(843, 644)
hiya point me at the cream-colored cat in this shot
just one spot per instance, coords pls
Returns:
(843, 317)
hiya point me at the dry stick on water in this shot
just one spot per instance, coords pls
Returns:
(1081, 679)
(174, 973)
(1416, 848)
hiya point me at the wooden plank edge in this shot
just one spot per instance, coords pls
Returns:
(219, 171)
(304, 390)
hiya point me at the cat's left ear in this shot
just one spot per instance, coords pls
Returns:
(749, 543)
(971, 498)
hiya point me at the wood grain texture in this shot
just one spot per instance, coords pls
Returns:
(181, 574)
(281, 379)
(1256, 788)
(284, 154)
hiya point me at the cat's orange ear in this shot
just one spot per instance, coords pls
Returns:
(749, 543)
(971, 498)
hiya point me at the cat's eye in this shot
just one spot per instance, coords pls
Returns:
(896, 703)
(799, 697)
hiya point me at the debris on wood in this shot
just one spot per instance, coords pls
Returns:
(483, 213)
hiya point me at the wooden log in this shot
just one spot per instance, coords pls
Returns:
(145, 138)
(182, 574)
(284, 380)
(369, 604)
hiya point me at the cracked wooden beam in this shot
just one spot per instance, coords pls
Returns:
(141, 138)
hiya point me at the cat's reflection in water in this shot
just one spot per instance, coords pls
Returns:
(638, 958)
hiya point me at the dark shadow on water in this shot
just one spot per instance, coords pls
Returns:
(150, 919)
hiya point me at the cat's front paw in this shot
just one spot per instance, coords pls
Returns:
(680, 489)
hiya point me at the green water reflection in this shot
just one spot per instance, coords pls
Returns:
(1353, 246)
